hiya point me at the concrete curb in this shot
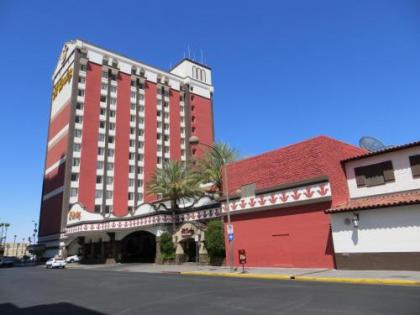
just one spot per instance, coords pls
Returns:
(394, 282)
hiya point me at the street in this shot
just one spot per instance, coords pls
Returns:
(35, 290)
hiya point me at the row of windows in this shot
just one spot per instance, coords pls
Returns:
(382, 173)
(99, 194)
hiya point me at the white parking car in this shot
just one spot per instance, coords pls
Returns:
(55, 263)
(72, 259)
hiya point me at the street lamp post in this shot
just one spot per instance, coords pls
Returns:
(35, 230)
(194, 140)
(14, 243)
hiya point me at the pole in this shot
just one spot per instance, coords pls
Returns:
(230, 249)
(14, 243)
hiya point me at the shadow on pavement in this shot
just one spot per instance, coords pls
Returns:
(57, 308)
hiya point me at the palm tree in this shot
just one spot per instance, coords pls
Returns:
(6, 225)
(209, 169)
(174, 182)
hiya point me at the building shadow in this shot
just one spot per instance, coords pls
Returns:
(56, 308)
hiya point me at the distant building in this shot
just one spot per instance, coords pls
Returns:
(113, 121)
(17, 249)
(378, 227)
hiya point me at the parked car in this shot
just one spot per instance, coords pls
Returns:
(72, 259)
(7, 261)
(55, 263)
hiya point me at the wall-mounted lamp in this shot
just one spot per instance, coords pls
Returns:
(355, 220)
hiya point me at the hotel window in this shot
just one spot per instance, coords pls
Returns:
(139, 169)
(109, 166)
(113, 101)
(165, 104)
(158, 113)
(132, 131)
(79, 105)
(130, 182)
(141, 120)
(74, 177)
(77, 133)
(112, 113)
(140, 196)
(375, 174)
(159, 124)
(76, 162)
(141, 108)
(192, 108)
(132, 118)
(131, 169)
(101, 151)
(81, 92)
(132, 143)
(165, 138)
(158, 136)
(165, 115)
(78, 119)
(141, 87)
(140, 132)
(76, 147)
(113, 89)
(101, 137)
(166, 149)
(103, 98)
(101, 124)
(139, 183)
(108, 209)
(159, 160)
(98, 209)
(141, 144)
(133, 106)
(130, 196)
(133, 94)
(99, 179)
(131, 156)
(159, 147)
(110, 139)
(102, 111)
(111, 126)
(104, 86)
(98, 194)
(105, 74)
(82, 67)
(139, 157)
(99, 165)
(181, 108)
(73, 192)
(415, 165)
(166, 126)
(108, 194)
(82, 79)
(109, 180)
(110, 152)
(193, 129)
(182, 152)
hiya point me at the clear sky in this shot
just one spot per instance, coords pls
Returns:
(283, 71)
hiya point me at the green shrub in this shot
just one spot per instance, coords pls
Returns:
(167, 248)
(215, 239)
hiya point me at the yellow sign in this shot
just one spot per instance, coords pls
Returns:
(74, 215)
(62, 82)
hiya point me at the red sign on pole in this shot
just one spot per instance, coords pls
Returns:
(242, 256)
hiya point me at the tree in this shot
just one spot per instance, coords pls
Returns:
(174, 182)
(209, 169)
(215, 240)
(167, 247)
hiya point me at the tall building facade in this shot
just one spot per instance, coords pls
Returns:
(113, 121)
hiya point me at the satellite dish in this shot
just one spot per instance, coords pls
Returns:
(371, 144)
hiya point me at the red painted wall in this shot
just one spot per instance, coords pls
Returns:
(89, 146)
(150, 141)
(60, 120)
(122, 140)
(175, 126)
(57, 151)
(286, 237)
(54, 179)
(51, 215)
(202, 112)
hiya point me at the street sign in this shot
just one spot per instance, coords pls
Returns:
(230, 237)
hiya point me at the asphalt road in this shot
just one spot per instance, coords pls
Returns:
(35, 290)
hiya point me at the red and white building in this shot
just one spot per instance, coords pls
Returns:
(378, 226)
(113, 120)
(278, 201)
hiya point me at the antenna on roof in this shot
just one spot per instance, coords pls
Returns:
(202, 56)
(371, 144)
(189, 51)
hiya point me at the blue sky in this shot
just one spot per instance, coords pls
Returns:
(283, 71)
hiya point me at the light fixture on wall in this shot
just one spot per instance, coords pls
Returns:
(355, 220)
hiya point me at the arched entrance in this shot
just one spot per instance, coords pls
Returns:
(189, 246)
(139, 247)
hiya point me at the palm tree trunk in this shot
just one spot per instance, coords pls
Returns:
(173, 208)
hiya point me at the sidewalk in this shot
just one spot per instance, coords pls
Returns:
(383, 277)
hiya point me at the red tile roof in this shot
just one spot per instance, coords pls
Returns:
(386, 150)
(313, 158)
(397, 199)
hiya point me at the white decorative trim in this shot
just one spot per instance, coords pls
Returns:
(55, 165)
(58, 136)
(306, 193)
(53, 193)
